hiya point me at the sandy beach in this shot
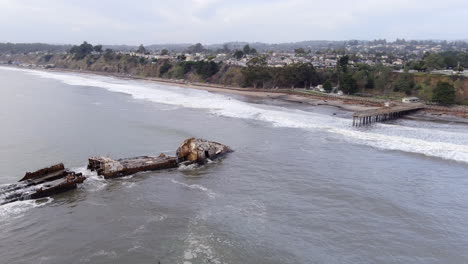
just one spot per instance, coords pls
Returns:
(277, 94)
(345, 103)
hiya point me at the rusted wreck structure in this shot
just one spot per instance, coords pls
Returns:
(109, 168)
(192, 150)
(56, 179)
(195, 150)
(42, 183)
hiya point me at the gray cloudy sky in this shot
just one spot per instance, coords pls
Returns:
(217, 21)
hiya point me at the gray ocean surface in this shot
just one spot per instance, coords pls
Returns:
(303, 185)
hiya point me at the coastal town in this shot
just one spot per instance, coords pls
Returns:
(396, 54)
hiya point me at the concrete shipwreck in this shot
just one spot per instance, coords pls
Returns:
(196, 150)
(41, 183)
(109, 168)
(57, 179)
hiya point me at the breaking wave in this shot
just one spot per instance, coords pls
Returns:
(17, 209)
(429, 142)
(93, 182)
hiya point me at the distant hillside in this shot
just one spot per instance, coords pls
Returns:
(313, 45)
(17, 48)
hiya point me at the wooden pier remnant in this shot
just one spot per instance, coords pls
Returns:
(367, 117)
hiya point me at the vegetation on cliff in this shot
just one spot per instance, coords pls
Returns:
(444, 93)
(360, 79)
(455, 60)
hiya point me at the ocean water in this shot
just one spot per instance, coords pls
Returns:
(303, 185)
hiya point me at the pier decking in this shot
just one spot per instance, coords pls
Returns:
(364, 118)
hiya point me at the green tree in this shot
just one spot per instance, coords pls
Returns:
(109, 54)
(165, 68)
(226, 48)
(164, 52)
(404, 83)
(349, 84)
(370, 84)
(206, 69)
(327, 86)
(424, 91)
(383, 78)
(256, 73)
(197, 48)
(143, 60)
(47, 57)
(434, 61)
(98, 48)
(141, 49)
(361, 78)
(82, 50)
(300, 75)
(256, 76)
(238, 54)
(343, 63)
(246, 49)
(300, 51)
(419, 66)
(257, 61)
(181, 57)
(444, 93)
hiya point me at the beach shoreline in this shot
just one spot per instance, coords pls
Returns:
(299, 97)
(291, 96)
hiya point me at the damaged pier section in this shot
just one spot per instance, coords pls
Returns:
(364, 118)
(56, 179)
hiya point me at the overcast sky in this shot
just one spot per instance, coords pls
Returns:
(217, 21)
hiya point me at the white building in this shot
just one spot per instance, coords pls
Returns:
(410, 100)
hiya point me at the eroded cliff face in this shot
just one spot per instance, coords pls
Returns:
(459, 82)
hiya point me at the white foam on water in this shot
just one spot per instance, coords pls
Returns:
(129, 185)
(158, 217)
(199, 187)
(136, 245)
(189, 167)
(17, 209)
(104, 253)
(198, 248)
(253, 212)
(93, 181)
(429, 142)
